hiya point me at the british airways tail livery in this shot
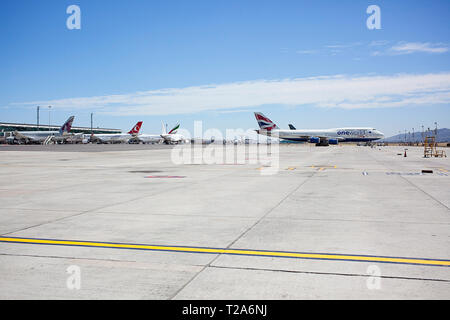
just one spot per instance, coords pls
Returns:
(322, 137)
(264, 122)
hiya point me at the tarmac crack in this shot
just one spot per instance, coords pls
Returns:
(61, 257)
(360, 220)
(107, 206)
(271, 209)
(412, 184)
(329, 273)
(308, 178)
(244, 233)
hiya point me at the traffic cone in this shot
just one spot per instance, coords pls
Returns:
(405, 154)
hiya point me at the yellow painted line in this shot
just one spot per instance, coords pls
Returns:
(321, 169)
(282, 254)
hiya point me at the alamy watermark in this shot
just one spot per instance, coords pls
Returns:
(374, 281)
(374, 20)
(73, 281)
(236, 147)
(74, 20)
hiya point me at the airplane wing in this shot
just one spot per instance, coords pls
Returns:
(97, 138)
(328, 137)
(166, 138)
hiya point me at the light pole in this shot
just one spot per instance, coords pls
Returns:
(37, 118)
(435, 131)
(92, 115)
(49, 109)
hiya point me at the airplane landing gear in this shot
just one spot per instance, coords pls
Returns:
(322, 143)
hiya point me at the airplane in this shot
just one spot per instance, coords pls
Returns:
(42, 136)
(321, 137)
(172, 137)
(149, 138)
(117, 137)
(203, 141)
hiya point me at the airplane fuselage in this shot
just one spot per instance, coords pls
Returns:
(39, 136)
(173, 138)
(149, 138)
(111, 138)
(339, 134)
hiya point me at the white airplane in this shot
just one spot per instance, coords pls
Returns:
(150, 138)
(322, 137)
(202, 141)
(41, 136)
(117, 137)
(172, 137)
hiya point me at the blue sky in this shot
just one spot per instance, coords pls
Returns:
(311, 63)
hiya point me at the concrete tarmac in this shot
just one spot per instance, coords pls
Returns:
(321, 204)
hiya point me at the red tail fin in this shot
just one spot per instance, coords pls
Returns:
(264, 122)
(136, 128)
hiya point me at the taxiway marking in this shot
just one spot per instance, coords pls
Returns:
(246, 252)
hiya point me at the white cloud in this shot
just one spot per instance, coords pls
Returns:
(306, 51)
(413, 47)
(238, 110)
(377, 43)
(342, 46)
(339, 91)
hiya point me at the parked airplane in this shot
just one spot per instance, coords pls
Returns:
(117, 137)
(149, 138)
(42, 136)
(203, 141)
(172, 137)
(322, 137)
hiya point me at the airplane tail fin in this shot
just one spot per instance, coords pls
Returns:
(65, 128)
(174, 130)
(136, 128)
(163, 128)
(264, 122)
(292, 127)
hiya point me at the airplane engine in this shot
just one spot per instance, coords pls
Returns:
(333, 141)
(314, 140)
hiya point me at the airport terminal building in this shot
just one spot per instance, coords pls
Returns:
(7, 128)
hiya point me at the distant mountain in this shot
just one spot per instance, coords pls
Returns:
(443, 135)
